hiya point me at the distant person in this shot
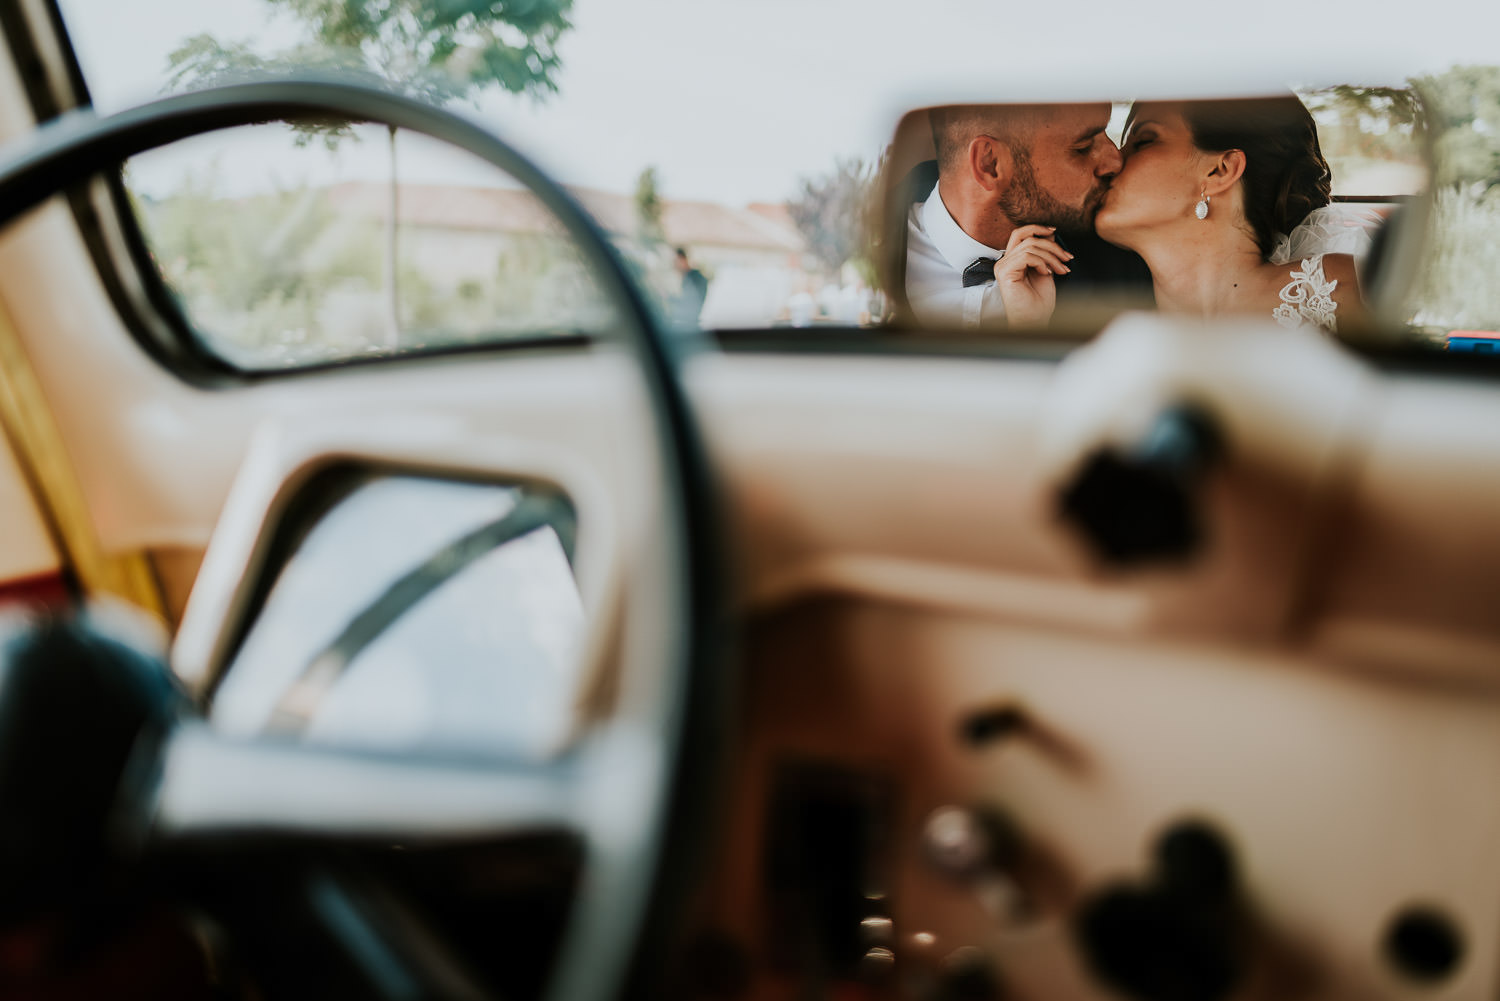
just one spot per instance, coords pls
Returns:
(1009, 224)
(689, 302)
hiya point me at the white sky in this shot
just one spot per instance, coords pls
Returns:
(734, 100)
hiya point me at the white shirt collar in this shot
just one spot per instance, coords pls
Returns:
(957, 247)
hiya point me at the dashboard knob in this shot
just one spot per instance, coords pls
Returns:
(1181, 934)
(967, 975)
(1140, 504)
(966, 842)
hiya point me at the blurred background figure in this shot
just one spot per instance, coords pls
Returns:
(689, 301)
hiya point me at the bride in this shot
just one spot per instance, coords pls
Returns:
(1217, 197)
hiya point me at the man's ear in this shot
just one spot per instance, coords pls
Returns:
(990, 163)
(1225, 169)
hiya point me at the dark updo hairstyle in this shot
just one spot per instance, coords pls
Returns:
(1285, 176)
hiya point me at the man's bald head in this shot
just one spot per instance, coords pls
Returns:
(955, 126)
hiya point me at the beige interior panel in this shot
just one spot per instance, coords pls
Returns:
(1414, 570)
(25, 547)
(898, 547)
(1345, 798)
(934, 483)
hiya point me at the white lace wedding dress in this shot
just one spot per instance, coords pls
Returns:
(1307, 300)
(1339, 228)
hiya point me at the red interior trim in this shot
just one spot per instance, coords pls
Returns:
(48, 590)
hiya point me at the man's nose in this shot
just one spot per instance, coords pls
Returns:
(1110, 160)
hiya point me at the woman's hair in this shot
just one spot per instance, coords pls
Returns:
(1285, 176)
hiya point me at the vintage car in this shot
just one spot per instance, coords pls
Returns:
(406, 598)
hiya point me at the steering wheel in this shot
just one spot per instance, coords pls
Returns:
(144, 771)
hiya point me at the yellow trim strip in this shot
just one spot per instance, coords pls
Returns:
(28, 425)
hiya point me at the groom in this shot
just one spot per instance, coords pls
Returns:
(1000, 168)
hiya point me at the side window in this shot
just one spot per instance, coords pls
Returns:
(289, 246)
(1378, 138)
(1458, 299)
(1374, 139)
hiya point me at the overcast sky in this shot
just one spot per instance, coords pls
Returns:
(734, 100)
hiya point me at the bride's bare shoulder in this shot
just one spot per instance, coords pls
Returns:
(1347, 293)
(1340, 268)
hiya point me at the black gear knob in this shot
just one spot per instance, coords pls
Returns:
(1140, 504)
(1178, 935)
(76, 695)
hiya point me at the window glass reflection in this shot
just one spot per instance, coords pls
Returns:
(484, 662)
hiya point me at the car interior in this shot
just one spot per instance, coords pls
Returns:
(507, 640)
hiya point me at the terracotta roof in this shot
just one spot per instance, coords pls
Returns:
(512, 210)
(707, 223)
(759, 226)
(776, 212)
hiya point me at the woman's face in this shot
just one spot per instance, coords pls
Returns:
(1161, 181)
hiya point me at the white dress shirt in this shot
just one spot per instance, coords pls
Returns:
(937, 251)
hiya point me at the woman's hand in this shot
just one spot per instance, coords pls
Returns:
(1025, 275)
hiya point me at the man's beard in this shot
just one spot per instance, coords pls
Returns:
(1025, 203)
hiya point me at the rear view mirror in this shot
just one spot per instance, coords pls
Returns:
(1056, 217)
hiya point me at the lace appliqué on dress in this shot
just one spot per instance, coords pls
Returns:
(1307, 300)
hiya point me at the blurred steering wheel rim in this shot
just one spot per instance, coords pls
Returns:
(79, 145)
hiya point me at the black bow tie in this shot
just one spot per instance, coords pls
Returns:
(981, 271)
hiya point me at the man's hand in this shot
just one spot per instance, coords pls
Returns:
(1025, 275)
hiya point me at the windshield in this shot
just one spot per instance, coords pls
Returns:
(736, 153)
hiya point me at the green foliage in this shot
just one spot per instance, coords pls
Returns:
(1363, 125)
(1380, 107)
(289, 279)
(436, 52)
(204, 61)
(1466, 111)
(1457, 288)
(256, 273)
(1459, 110)
(538, 285)
(834, 212)
(431, 50)
(512, 42)
(648, 209)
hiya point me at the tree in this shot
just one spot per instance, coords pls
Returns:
(833, 213)
(1465, 107)
(648, 209)
(1456, 287)
(1373, 123)
(434, 51)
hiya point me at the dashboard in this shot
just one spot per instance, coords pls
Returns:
(976, 763)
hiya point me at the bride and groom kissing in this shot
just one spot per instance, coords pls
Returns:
(1210, 207)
